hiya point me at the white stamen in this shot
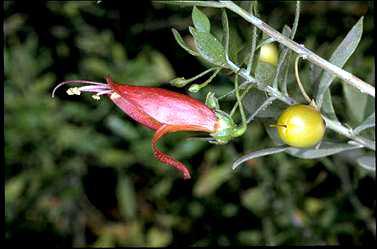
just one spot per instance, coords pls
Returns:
(73, 91)
(114, 95)
(96, 97)
(104, 92)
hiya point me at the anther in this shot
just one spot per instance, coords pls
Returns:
(73, 91)
(114, 95)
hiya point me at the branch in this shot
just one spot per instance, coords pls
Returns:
(301, 50)
(330, 124)
(213, 4)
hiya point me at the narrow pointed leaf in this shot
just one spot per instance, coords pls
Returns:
(224, 19)
(235, 43)
(286, 32)
(180, 41)
(327, 107)
(259, 153)
(264, 42)
(283, 62)
(370, 107)
(297, 18)
(356, 102)
(272, 132)
(314, 74)
(367, 162)
(209, 47)
(200, 20)
(339, 57)
(255, 99)
(264, 72)
(326, 149)
(283, 79)
(368, 123)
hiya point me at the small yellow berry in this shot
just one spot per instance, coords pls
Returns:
(301, 126)
(269, 54)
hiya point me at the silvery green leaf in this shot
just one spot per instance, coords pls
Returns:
(283, 79)
(250, 48)
(264, 42)
(297, 18)
(258, 153)
(232, 40)
(339, 57)
(272, 132)
(314, 73)
(254, 99)
(200, 20)
(368, 123)
(262, 108)
(356, 102)
(282, 65)
(325, 149)
(264, 72)
(370, 107)
(224, 19)
(235, 43)
(180, 41)
(287, 33)
(209, 47)
(367, 162)
(327, 107)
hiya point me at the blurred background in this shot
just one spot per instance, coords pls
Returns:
(78, 172)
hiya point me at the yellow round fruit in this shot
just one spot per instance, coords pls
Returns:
(301, 126)
(269, 54)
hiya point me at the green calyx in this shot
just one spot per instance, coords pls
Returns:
(227, 129)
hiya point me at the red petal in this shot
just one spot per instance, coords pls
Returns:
(167, 107)
(135, 112)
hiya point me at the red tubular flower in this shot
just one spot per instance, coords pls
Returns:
(162, 110)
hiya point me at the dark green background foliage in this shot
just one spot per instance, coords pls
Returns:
(79, 172)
